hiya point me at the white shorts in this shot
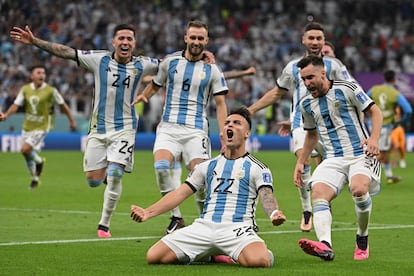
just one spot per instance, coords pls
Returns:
(34, 138)
(336, 172)
(298, 140)
(384, 142)
(116, 147)
(204, 238)
(181, 140)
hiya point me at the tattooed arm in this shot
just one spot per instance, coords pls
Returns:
(26, 37)
(270, 206)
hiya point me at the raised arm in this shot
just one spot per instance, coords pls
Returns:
(26, 36)
(239, 73)
(221, 111)
(271, 96)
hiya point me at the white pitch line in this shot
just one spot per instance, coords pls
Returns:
(388, 227)
(157, 237)
(48, 211)
(78, 241)
(127, 214)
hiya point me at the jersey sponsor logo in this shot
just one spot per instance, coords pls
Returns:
(267, 178)
(86, 52)
(34, 118)
(362, 97)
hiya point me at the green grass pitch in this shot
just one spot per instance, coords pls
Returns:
(52, 230)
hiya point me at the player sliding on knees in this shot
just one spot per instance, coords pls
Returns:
(234, 181)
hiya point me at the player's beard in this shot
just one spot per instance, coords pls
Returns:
(314, 51)
(195, 51)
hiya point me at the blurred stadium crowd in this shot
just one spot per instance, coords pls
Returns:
(369, 36)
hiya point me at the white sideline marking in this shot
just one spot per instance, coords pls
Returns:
(124, 213)
(48, 211)
(79, 240)
(371, 227)
(157, 237)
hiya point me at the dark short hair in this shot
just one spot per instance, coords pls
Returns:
(389, 75)
(314, 26)
(330, 45)
(244, 112)
(124, 27)
(37, 66)
(197, 24)
(311, 59)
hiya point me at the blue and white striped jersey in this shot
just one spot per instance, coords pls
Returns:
(290, 80)
(116, 86)
(189, 87)
(337, 117)
(231, 187)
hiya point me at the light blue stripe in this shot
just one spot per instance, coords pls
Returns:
(349, 123)
(162, 165)
(139, 67)
(333, 135)
(320, 207)
(210, 178)
(297, 118)
(222, 196)
(119, 98)
(103, 79)
(243, 195)
(200, 97)
(171, 76)
(328, 68)
(185, 92)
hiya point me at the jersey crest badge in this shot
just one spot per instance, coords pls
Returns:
(240, 174)
(337, 105)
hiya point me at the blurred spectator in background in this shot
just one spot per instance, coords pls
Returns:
(388, 98)
(265, 34)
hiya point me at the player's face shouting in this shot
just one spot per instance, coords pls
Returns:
(124, 44)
